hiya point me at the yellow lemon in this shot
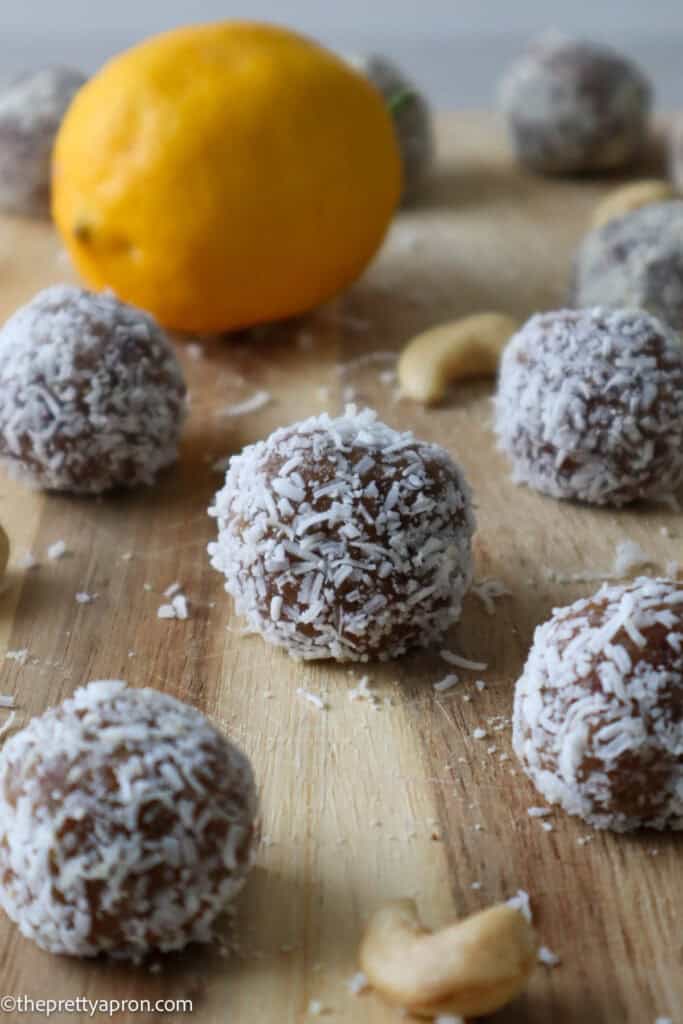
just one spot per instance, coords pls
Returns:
(224, 175)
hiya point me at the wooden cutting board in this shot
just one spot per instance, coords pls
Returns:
(360, 804)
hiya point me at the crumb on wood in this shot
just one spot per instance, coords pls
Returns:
(57, 550)
(357, 983)
(9, 723)
(458, 661)
(20, 655)
(447, 683)
(547, 957)
(488, 591)
(259, 400)
(520, 901)
(312, 698)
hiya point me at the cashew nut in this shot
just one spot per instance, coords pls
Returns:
(631, 197)
(468, 969)
(457, 350)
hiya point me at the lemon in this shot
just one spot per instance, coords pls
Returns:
(226, 174)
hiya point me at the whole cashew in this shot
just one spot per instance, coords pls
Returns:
(457, 350)
(631, 197)
(469, 969)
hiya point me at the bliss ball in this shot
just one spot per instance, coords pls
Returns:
(342, 538)
(92, 396)
(590, 406)
(412, 117)
(127, 824)
(31, 111)
(635, 261)
(598, 717)
(573, 106)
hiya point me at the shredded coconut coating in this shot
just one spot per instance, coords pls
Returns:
(31, 111)
(93, 396)
(127, 824)
(590, 406)
(411, 116)
(342, 538)
(634, 262)
(575, 106)
(598, 715)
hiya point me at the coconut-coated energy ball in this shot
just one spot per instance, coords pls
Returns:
(92, 396)
(127, 824)
(589, 406)
(343, 538)
(31, 111)
(574, 106)
(635, 261)
(598, 715)
(412, 117)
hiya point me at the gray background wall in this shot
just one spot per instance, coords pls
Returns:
(456, 48)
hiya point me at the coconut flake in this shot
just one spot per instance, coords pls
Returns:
(20, 655)
(447, 683)
(176, 609)
(316, 1008)
(312, 698)
(56, 550)
(362, 691)
(357, 983)
(547, 957)
(629, 556)
(521, 902)
(459, 662)
(7, 725)
(257, 401)
(489, 591)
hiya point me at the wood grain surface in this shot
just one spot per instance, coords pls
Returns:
(361, 803)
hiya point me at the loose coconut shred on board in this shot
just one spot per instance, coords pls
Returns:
(126, 824)
(342, 538)
(598, 720)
